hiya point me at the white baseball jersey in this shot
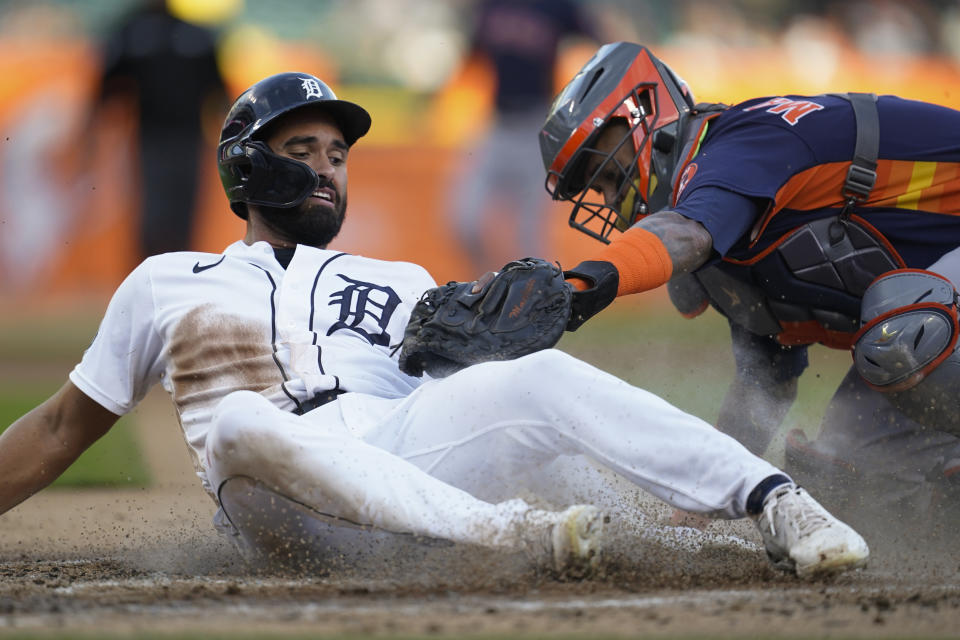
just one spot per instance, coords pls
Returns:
(205, 325)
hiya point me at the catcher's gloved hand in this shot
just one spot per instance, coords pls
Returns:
(602, 280)
(521, 309)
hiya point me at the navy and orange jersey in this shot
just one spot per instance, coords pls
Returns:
(769, 165)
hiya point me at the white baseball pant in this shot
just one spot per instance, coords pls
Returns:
(449, 460)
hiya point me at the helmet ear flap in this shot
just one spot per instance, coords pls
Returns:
(265, 178)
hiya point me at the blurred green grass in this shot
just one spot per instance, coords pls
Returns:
(47, 336)
(37, 350)
(515, 635)
(114, 460)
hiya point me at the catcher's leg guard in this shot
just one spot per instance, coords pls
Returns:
(907, 346)
(276, 530)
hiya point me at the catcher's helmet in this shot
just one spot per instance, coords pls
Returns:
(622, 80)
(249, 171)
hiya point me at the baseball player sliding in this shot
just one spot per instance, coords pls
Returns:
(281, 357)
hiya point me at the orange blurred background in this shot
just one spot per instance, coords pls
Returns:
(68, 195)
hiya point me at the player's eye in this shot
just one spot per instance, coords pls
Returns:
(608, 179)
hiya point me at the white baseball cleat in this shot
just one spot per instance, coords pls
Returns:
(578, 541)
(803, 537)
(572, 538)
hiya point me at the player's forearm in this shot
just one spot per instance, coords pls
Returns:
(36, 449)
(30, 458)
(650, 253)
(686, 241)
(645, 257)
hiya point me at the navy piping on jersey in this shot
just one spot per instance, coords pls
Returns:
(273, 337)
(313, 308)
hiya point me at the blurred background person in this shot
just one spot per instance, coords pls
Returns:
(519, 41)
(166, 69)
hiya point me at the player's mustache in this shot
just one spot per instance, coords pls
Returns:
(323, 183)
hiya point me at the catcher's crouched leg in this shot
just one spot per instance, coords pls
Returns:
(907, 347)
(896, 515)
(836, 483)
(884, 474)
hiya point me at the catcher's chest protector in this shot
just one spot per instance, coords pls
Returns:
(808, 289)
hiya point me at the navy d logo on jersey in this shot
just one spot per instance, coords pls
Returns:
(361, 300)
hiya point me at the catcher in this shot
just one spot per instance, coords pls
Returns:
(281, 358)
(830, 219)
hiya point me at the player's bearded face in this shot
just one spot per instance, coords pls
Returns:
(313, 223)
(312, 137)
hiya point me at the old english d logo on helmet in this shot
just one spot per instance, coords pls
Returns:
(312, 88)
(249, 171)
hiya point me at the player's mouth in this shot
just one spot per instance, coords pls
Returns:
(324, 195)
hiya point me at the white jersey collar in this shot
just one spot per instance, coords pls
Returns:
(259, 253)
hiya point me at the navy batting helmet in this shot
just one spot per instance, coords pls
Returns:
(249, 171)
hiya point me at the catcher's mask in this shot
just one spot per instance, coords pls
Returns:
(622, 82)
(249, 171)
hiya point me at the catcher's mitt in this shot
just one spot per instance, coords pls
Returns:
(523, 309)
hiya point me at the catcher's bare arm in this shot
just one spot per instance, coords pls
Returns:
(38, 447)
(688, 243)
(645, 257)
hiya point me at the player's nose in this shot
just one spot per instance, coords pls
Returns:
(324, 168)
(611, 197)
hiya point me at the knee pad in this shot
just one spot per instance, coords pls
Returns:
(907, 345)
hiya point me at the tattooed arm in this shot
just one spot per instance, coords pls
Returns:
(687, 242)
(646, 256)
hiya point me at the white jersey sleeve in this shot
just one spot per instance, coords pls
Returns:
(124, 360)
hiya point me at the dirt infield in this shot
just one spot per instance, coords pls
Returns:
(136, 560)
(132, 561)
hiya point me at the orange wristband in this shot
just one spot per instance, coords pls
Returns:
(641, 259)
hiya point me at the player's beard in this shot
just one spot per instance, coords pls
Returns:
(315, 225)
